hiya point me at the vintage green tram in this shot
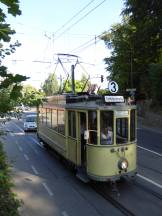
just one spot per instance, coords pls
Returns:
(72, 125)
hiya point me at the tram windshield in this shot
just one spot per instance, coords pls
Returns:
(106, 128)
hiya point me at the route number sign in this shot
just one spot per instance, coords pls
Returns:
(113, 87)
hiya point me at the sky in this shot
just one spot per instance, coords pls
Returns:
(49, 27)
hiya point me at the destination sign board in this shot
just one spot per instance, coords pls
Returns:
(114, 99)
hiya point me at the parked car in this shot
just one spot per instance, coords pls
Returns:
(30, 123)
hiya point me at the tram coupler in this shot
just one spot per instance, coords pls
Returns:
(114, 188)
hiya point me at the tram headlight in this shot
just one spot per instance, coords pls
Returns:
(123, 164)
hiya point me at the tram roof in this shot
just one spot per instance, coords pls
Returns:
(81, 100)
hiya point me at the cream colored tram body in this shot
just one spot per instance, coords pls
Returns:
(72, 125)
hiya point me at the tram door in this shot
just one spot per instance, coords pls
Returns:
(82, 128)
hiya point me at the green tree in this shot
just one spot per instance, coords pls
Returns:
(80, 85)
(10, 85)
(51, 85)
(136, 43)
(155, 74)
(146, 16)
(10, 88)
(120, 63)
(31, 96)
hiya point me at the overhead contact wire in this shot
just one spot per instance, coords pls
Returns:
(80, 19)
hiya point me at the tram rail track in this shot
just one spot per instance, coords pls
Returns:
(100, 190)
(150, 168)
(148, 190)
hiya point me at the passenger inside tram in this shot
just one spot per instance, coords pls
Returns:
(106, 136)
(106, 128)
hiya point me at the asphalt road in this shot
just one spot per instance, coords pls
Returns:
(47, 188)
(44, 184)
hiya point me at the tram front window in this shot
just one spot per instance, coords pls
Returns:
(106, 128)
(121, 130)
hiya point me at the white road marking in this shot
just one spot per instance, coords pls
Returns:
(150, 181)
(34, 170)
(64, 213)
(20, 149)
(26, 157)
(47, 189)
(150, 151)
(11, 134)
(34, 140)
(18, 127)
(30, 137)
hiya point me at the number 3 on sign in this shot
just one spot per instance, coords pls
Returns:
(113, 87)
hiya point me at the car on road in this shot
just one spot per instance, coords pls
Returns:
(30, 123)
(3, 119)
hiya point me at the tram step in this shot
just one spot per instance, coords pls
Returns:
(82, 176)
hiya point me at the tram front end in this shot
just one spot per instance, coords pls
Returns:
(114, 154)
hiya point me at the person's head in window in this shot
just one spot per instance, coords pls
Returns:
(106, 135)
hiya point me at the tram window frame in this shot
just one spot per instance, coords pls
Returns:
(40, 114)
(54, 123)
(61, 121)
(92, 127)
(132, 125)
(48, 117)
(72, 124)
(122, 130)
(43, 120)
(106, 124)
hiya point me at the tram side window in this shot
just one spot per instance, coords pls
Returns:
(43, 115)
(132, 125)
(72, 123)
(40, 114)
(121, 130)
(54, 119)
(92, 127)
(61, 122)
(48, 116)
(106, 128)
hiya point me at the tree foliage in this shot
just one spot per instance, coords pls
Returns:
(136, 43)
(80, 85)
(31, 96)
(120, 63)
(10, 85)
(51, 85)
(155, 75)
